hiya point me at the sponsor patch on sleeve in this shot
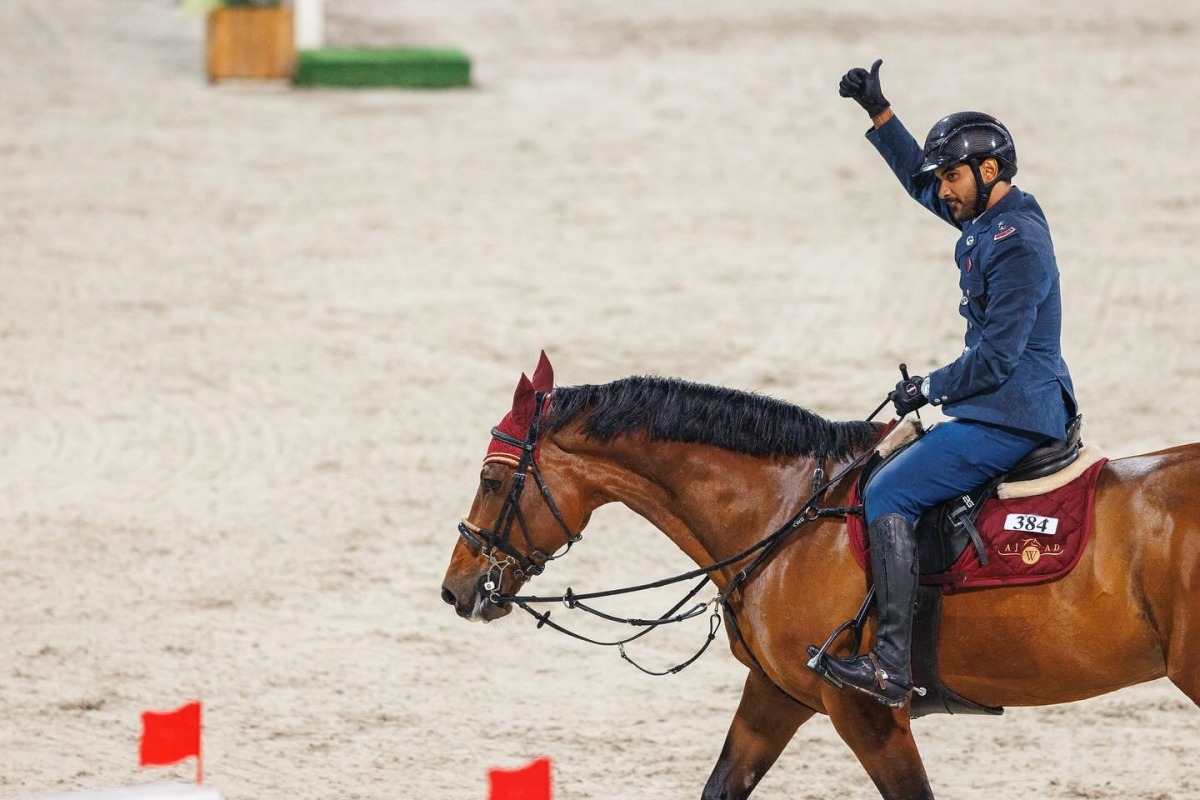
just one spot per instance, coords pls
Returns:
(1004, 232)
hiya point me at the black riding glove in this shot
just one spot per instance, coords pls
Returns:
(863, 87)
(907, 396)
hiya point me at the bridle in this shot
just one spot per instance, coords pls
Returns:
(496, 543)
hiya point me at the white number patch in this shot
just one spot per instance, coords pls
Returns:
(1031, 523)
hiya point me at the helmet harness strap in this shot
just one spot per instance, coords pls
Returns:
(983, 191)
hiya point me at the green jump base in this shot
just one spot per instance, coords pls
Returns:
(417, 68)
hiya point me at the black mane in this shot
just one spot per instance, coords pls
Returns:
(669, 409)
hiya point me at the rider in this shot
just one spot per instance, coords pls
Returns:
(1007, 393)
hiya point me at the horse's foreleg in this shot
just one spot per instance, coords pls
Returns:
(882, 739)
(765, 722)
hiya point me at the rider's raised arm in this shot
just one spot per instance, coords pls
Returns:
(904, 157)
(892, 139)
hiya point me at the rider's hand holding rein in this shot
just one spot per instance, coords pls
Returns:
(863, 87)
(908, 395)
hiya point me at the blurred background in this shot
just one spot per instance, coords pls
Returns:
(253, 338)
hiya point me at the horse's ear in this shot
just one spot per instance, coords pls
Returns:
(524, 404)
(543, 376)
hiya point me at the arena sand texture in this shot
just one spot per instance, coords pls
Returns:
(253, 339)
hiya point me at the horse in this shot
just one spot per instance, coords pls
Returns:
(715, 469)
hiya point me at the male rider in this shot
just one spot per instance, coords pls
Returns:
(1007, 393)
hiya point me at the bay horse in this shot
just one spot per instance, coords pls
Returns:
(716, 469)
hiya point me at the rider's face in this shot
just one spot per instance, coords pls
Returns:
(956, 187)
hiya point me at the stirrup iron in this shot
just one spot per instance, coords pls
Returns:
(816, 661)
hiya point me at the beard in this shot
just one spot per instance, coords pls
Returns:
(962, 211)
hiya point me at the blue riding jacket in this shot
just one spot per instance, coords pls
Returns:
(1011, 372)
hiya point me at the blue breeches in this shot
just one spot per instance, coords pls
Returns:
(953, 458)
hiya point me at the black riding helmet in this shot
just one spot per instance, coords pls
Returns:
(970, 137)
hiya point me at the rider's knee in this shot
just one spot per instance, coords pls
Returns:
(891, 495)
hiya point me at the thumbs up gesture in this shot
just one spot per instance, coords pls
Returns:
(863, 87)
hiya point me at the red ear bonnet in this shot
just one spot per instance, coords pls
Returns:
(515, 424)
(543, 376)
(523, 408)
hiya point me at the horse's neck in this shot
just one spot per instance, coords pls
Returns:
(712, 503)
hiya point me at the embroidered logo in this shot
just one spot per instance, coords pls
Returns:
(970, 240)
(1030, 550)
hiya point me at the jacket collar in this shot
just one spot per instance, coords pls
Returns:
(1007, 203)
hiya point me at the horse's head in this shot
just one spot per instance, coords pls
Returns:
(512, 529)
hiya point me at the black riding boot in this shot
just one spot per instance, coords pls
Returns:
(884, 674)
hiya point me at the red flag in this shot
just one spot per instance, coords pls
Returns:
(527, 783)
(171, 737)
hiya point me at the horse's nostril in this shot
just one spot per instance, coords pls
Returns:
(448, 596)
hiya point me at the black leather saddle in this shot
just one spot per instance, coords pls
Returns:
(944, 531)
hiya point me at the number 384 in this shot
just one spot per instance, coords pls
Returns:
(1031, 523)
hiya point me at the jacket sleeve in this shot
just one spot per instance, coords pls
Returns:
(903, 156)
(1017, 283)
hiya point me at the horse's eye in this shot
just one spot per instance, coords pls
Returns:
(490, 485)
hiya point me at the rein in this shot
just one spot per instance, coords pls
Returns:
(488, 542)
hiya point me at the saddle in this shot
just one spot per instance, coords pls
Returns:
(945, 532)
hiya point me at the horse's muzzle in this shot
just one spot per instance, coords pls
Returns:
(473, 603)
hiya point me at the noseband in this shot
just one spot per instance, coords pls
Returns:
(498, 538)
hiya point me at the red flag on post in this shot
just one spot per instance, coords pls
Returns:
(527, 783)
(170, 737)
